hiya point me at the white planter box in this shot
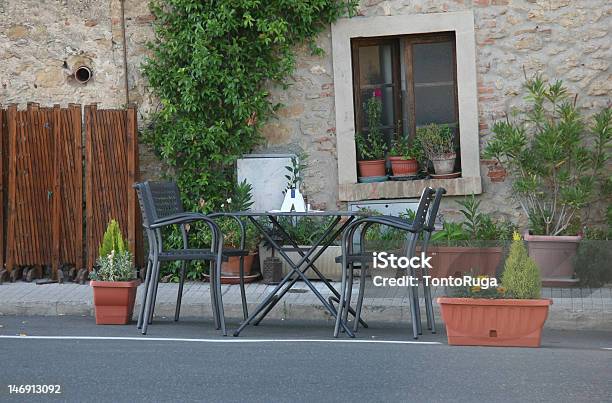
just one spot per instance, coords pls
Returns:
(326, 263)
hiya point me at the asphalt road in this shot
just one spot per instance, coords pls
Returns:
(263, 365)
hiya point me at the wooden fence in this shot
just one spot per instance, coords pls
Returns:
(42, 185)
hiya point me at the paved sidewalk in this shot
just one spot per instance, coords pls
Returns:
(577, 308)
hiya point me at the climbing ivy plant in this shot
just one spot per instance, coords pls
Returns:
(212, 66)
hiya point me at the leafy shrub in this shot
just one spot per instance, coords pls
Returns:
(592, 262)
(372, 146)
(521, 276)
(112, 240)
(436, 140)
(116, 266)
(556, 160)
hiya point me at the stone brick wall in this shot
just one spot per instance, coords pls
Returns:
(570, 40)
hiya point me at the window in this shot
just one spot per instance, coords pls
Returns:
(410, 59)
(413, 75)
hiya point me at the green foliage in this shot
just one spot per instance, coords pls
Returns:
(304, 230)
(112, 240)
(296, 169)
(372, 146)
(402, 147)
(556, 159)
(592, 262)
(212, 66)
(436, 140)
(521, 276)
(116, 266)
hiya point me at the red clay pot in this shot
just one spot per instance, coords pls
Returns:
(554, 255)
(403, 167)
(494, 322)
(231, 268)
(114, 301)
(457, 260)
(372, 168)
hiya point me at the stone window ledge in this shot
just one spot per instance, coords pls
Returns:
(407, 189)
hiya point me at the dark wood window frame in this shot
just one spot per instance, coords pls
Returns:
(407, 41)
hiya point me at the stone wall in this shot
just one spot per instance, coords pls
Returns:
(569, 40)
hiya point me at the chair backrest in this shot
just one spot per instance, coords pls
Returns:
(430, 222)
(158, 200)
(421, 214)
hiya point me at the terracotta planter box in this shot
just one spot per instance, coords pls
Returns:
(114, 301)
(231, 268)
(372, 168)
(554, 255)
(457, 260)
(494, 322)
(403, 167)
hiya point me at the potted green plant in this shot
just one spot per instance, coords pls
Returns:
(487, 315)
(475, 242)
(439, 147)
(371, 147)
(556, 162)
(113, 280)
(404, 158)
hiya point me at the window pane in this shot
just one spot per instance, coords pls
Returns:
(384, 95)
(433, 62)
(375, 65)
(435, 104)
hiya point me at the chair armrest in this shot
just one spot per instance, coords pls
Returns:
(182, 218)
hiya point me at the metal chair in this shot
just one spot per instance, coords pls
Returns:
(349, 258)
(161, 206)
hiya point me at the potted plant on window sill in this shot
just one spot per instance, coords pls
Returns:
(404, 158)
(438, 145)
(113, 280)
(512, 315)
(556, 162)
(371, 147)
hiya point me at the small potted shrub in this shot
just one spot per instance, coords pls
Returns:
(114, 280)
(439, 147)
(371, 147)
(404, 158)
(510, 315)
(557, 162)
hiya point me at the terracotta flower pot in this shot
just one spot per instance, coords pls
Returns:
(457, 260)
(231, 268)
(114, 301)
(554, 255)
(444, 164)
(494, 322)
(372, 168)
(403, 167)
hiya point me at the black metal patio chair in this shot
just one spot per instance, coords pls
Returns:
(423, 217)
(161, 206)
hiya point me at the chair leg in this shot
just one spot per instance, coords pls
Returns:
(245, 309)
(413, 314)
(213, 295)
(179, 296)
(349, 292)
(155, 287)
(415, 297)
(220, 296)
(144, 294)
(362, 281)
(342, 294)
(431, 321)
(149, 299)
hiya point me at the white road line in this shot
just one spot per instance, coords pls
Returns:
(228, 340)
(607, 348)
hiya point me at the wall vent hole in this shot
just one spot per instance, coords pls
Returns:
(492, 333)
(82, 74)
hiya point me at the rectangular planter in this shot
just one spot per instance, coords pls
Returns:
(456, 260)
(554, 255)
(114, 301)
(326, 263)
(494, 322)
